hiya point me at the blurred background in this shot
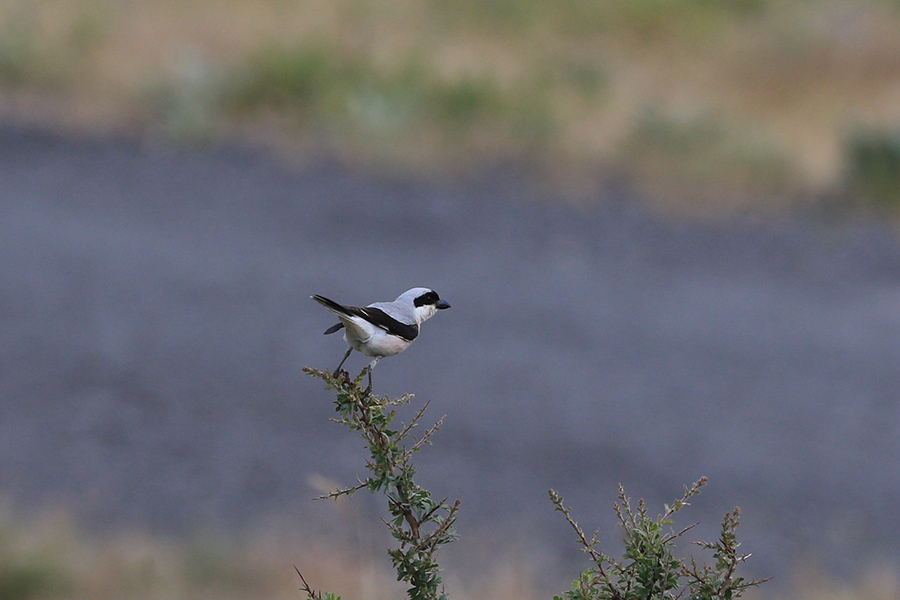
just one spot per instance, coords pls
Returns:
(668, 231)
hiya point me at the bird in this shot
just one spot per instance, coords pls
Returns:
(383, 328)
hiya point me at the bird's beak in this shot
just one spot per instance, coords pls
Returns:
(442, 304)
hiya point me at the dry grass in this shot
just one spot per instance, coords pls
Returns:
(51, 558)
(735, 99)
(810, 583)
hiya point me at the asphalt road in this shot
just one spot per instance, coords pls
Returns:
(155, 317)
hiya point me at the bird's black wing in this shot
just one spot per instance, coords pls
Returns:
(378, 317)
(373, 315)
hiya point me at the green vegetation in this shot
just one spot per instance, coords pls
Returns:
(28, 573)
(19, 62)
(649, 570)
(873, 179)
(721, 101)
(419, 524)
(25, 581)
(48, 558)
(314, 83)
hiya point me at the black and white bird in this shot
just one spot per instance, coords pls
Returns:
(383, 328)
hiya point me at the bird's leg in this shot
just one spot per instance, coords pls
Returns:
(372, 366)
(346, 356)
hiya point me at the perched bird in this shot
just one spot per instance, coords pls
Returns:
(383, 328)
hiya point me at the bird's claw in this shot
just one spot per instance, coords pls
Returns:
(341, 375)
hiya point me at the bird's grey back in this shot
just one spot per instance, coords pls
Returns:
(402, 311)
(403, 308)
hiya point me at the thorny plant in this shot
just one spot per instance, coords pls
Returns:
(312, 594)
(649, 569)
(419, 523)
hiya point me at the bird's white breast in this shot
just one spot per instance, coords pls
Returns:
(371, 340)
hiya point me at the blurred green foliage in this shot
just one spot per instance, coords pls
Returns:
(314, 82)
(873, 162)
(29, 580)
(18, 49)
(299, 78)
(707, 98)
(27, 573)
(589, 17)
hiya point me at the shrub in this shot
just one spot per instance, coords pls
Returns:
(419, 523)
(649, 569)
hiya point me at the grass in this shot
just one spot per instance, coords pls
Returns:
(874, 169)
(50, 557)
(731, 98)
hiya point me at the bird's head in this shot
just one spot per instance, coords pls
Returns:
(425, 301)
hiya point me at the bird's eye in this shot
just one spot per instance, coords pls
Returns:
(427, 298)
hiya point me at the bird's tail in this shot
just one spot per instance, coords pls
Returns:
(333, 307)
(334, 328)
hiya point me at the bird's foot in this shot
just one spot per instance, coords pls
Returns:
(369, 387)
(341, 375)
